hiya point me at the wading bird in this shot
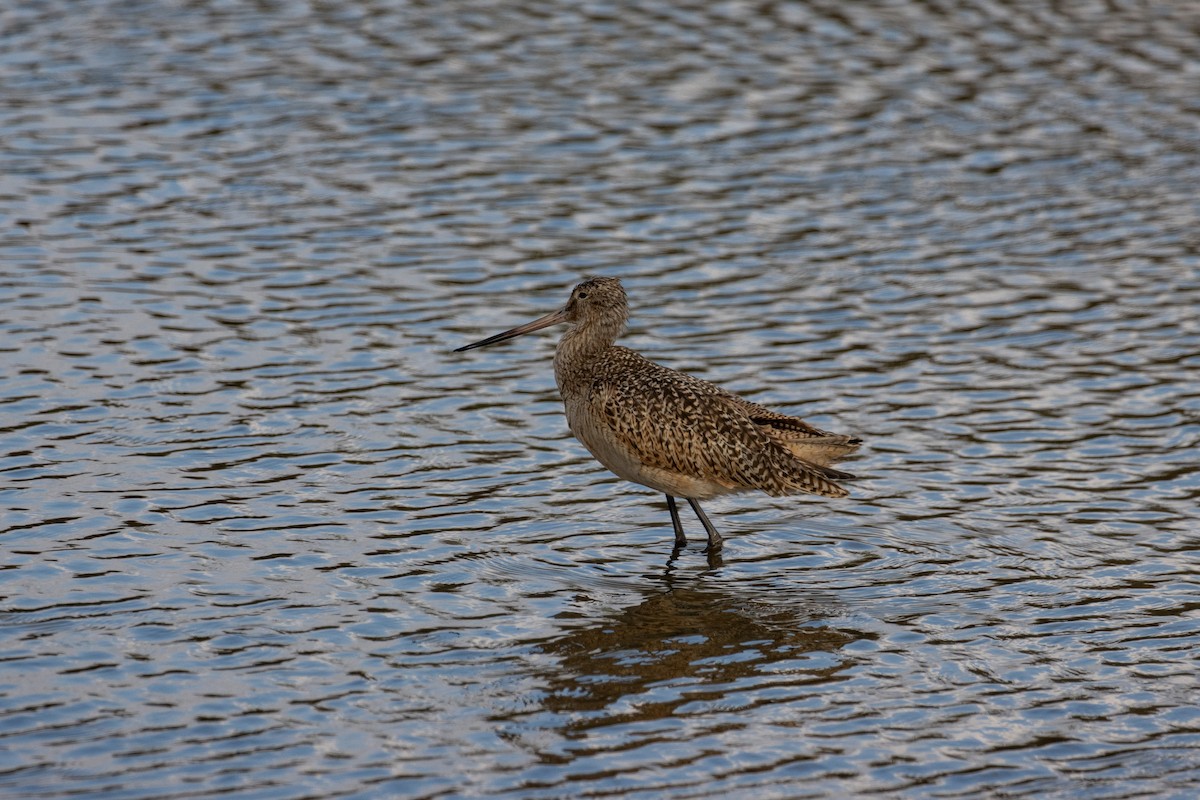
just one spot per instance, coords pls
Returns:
(676, 434)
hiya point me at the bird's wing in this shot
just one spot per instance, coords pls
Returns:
(782, 422)
(675, 422)
(806, 442)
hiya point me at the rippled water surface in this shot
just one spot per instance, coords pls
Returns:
(264, 535)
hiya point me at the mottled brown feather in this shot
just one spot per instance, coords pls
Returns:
(675, 433)
(681, 423)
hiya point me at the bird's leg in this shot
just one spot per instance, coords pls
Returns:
(714, 538)
(714, 558)
(680, 539)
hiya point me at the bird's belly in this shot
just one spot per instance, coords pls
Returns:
(624, 463)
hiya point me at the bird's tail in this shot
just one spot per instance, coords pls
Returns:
(824, 450)
(804, 476)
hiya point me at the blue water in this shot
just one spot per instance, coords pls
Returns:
(264, 535)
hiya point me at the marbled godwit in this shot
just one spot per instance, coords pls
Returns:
(676, 434)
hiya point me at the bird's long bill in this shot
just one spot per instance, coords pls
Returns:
(529, 327)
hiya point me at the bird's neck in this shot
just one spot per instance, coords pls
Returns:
(581, 345)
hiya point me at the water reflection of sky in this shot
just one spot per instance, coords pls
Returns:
(264, 534)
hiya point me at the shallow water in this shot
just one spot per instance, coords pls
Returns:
(264, 535)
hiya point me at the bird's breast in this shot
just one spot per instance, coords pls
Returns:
(600, 440)
(625, 462)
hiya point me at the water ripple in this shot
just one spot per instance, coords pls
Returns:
(266, 535)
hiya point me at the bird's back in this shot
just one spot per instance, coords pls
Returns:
(681, 434)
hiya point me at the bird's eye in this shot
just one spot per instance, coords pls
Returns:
(583, 295)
